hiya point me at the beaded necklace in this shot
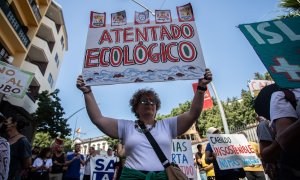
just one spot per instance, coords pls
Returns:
(139, 129)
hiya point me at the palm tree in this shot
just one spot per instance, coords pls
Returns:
(293, 7)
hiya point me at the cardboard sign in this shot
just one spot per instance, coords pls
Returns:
(13, 81)
(277, 44)
(143, 53)
(102, 167)
(233, 151)
(183, 156)
(256, 85)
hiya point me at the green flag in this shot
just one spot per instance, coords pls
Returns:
(277, 44)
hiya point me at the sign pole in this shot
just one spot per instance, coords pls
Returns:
(223, 117)
(144, 7)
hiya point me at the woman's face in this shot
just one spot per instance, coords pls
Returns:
(147, 106)
(9, 124)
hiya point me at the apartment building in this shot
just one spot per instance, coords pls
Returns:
(33, 37)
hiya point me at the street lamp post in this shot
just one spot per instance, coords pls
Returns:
(223, 117)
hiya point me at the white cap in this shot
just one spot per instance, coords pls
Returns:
(211, 130)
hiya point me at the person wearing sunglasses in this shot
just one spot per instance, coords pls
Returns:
(141, 159)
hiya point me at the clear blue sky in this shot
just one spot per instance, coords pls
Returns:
(226, 52)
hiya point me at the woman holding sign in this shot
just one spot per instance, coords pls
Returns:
(141, 160)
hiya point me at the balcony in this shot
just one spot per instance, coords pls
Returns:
(45, 33)
(35, 10)
(33, 90)
(14, 22)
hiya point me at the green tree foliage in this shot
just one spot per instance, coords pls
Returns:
(266, 76)
(238, 112)
(44, 140)
(292, 7)
(111, 142)
(49, 115)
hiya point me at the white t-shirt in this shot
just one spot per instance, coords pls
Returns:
(280, 107)
(139, 153)
(38, 162)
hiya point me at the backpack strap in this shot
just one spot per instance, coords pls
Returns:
(290, 96)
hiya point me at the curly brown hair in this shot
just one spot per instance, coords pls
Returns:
(136, 98)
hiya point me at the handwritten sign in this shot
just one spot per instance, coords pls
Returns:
(256, 85)
(102, 167)
(233, 151)
(277, 44)
(143, 53)
(13, 81)
(183, 156)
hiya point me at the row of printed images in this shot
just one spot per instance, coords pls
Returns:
(185, 13)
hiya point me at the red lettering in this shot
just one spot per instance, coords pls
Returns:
(141, 35)
(102, 56)
(164, 32)
(91, 58)
(187, 51)
(105, 36)
(127, 61)
(127, 33)
(116, 56)
(185, 28)
(153, 32)
(163, 52)
(153, 57)
(169, 52)
(176, 33)
(117, 32)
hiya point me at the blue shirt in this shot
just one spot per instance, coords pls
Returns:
(73, 170)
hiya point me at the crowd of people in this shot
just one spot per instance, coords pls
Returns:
(146, 142)
(19, 161)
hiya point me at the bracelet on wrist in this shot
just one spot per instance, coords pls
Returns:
(201, 89)
(87, 91)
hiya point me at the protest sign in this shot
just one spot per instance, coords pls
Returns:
(143, 53)
(256, 85)
(183, 156)
(233, 151)
(14, 81)
(102, 167)
(277, 44)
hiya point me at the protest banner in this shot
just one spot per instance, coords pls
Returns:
(14, 81)
(256, 85)
(232, 151)
(102, 167)
(183, 156)
(143, 53)
(208, 102)
(277, 44)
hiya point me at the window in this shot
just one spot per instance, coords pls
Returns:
(62, 42)
(56, 60)
(50, 80)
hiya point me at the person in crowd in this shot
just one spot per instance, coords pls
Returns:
(208, 168)
(198, 157)
(4, 152)
(110, 152)
(141, 160)
(73, 161)
(42, 165)
(87, 167)
(20, 148)
(58, 159)
(118, 166)
(285, 118)
(35, 152)
(269, 148)
(255, 172)
(229, 174)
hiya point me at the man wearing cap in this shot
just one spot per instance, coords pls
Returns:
(229, 174)
(4, 152)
